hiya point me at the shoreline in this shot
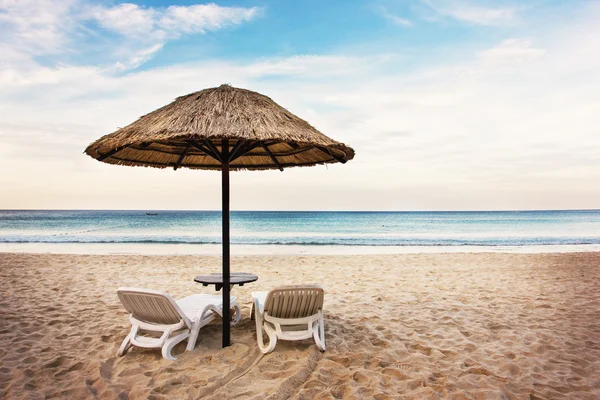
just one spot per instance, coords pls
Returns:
(267, 250)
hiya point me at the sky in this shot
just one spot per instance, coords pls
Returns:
(449, 105)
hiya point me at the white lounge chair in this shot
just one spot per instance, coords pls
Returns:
(289, 313)
(152, 310)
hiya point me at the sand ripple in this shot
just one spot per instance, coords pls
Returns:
(459, 326)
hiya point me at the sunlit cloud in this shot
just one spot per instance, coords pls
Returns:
(474, 13)
(395, 19)
(31, 28)
(171, 22)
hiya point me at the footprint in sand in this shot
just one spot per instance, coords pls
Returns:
(395, 373)
(106, 369)
(57, 362)
(75, 367)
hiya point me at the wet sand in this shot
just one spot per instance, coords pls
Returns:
(458, 326)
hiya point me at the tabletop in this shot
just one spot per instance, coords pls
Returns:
(235, 278)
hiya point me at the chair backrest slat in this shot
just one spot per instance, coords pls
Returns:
(303, 307)
(151, 306)
(294, 301)
(293, 305)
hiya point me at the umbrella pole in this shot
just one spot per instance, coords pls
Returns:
(225, 232)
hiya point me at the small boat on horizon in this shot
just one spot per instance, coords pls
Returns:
(151, 213)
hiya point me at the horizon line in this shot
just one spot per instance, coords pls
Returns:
(317, 211)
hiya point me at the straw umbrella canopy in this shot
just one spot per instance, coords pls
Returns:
(223, 128)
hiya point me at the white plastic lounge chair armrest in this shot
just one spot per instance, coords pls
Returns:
(259, 300)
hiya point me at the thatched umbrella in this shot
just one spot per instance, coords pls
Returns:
(223, 128)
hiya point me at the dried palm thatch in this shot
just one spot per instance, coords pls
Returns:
(201, 129)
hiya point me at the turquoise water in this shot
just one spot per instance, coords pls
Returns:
(493, 228)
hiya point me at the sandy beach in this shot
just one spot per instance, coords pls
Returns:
(458, 326)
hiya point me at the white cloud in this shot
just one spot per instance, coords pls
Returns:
(474, 13)
(167, 23)
(511, 52)
(202, 17)
(315, 66)
(126, 19)
(395, 19)
(61, 28)
(35, 27)
(137, 57)
(399, 21)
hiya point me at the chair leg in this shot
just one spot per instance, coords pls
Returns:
(319, 333)
(172, 342)
(125, 345)
(193, 336)
(272, 339)
(237, 314)
(259, 336)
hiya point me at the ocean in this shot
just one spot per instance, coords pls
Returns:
(297, 231)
